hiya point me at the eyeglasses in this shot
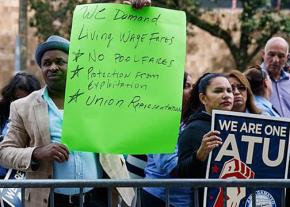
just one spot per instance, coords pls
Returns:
(241, 88)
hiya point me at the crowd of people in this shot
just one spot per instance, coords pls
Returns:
(32, 133)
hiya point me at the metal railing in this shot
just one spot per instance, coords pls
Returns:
(195, 184)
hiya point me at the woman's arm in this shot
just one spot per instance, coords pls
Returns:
(194, 146)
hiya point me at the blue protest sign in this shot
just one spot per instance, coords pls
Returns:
(254, 147)
(12, 196)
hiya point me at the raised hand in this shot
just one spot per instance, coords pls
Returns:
(138, 4)
(209, 141)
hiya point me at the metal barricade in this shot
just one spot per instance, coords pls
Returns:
(195, 184)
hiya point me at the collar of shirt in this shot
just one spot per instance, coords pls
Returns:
(263, 101)
(51, 104)
(266, 106)
(283, 75)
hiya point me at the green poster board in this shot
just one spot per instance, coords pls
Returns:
(124, 79)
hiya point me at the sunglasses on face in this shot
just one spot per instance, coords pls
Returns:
(240, 88)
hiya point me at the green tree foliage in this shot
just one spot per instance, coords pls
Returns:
(54, 17)
(258, 22)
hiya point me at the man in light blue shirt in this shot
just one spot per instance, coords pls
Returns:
(80, 165)
(275, 56)
(32, 143)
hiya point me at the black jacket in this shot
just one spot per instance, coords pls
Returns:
(189, 142)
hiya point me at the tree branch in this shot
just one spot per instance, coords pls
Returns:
(216, 31)
(261, 43)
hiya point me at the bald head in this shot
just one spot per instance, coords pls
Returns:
(277, 41)
(275, 56)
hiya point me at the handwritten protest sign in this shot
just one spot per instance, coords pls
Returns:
(254, 147)
(124, 81)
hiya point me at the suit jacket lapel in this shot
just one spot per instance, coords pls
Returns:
(115, 168)
(42, 119)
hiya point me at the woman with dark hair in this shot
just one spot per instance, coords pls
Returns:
(261, 86)
(19, 86)
(244, 100)
(211, 91)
